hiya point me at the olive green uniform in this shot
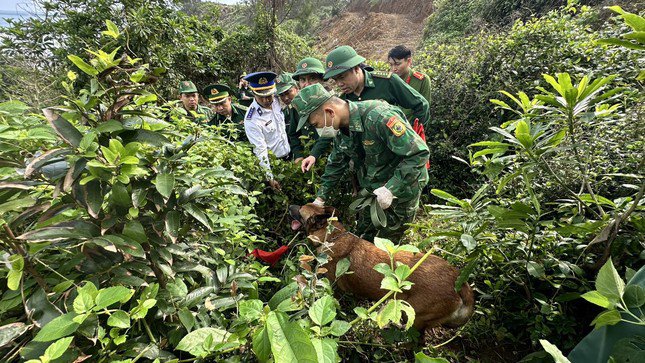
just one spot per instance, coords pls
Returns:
(236, 119)
(420, 82)
(393, 90)
(321, 145)
(385, 152)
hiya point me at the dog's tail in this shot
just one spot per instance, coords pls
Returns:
(463, 313)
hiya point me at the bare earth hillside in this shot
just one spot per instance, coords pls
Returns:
(374, 29)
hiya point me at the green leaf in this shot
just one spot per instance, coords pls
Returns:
(342, 266)
(465, 272)
(339, 327)
(84, 301)
(262, 344)
(420, 357)
(82, 65)
(326, 350)
(59, 327)
(187, 318)
(523, 134)
(599, 299)
(251, 310)
(468, 241)
(193, 342)
(112, 31)
(609, 282)
(289, 341)
(11, 331)
(112, 295)
(13, 279)
(535, 269)
(323, 310)
(119, 319)
(198, 214)
(165, 183)
(390, 283)
(554, 352)
(172, 224)
(608, 317)
(134, 230)
(390, 313)
(409, 311)
(57, 349)
(63, 128)
(634, 296)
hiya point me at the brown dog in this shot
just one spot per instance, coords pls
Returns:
(432, 296)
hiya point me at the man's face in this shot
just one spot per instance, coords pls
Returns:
(224, 108)
(400, 67)
(189, 100)
(309, 79)
(264, 101)
(348, 81)
(288, 96)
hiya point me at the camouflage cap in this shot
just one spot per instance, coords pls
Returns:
(309, 66)
(187, 87)
(284, 82)
(341, 60)
(308, 100)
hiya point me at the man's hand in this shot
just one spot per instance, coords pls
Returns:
(307, 163)
(319, 202)
(274, 184)
(384, 197)
(297, 160)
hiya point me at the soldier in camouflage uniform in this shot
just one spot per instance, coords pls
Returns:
(400, 60)
(359, 84)
(189, 98)
(226, 112)
(287, 90)
(388, 155)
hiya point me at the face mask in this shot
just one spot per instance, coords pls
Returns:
(327, 131)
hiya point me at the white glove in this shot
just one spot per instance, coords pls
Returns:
(384, 197)
(319, 202)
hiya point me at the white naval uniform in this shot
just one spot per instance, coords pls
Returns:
(266, 130)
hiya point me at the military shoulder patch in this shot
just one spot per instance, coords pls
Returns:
(381, 74)
(396, 125)
(249, 115)
(419, 75)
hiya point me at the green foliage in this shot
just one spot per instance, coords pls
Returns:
(467, 72)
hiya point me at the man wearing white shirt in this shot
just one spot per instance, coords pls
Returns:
(264, 122)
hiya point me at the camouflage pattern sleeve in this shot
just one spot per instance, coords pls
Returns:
(321, 146)
(410, 175)
(408, 97)
(337, 163)
(294, 136)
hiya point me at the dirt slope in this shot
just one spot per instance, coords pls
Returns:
(374, 29)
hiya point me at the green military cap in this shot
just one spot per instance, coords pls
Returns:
(187, 87)
(340, 60)
(216, 93)
(308, 100)
(308, 66)
(284, 82)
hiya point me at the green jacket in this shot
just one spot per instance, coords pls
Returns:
(320, 146)
(393, 90)
(237, 119)
(420, 82)
(385, 151)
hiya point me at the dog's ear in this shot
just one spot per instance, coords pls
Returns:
(318, 221)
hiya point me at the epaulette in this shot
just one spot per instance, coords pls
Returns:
(249, 114)
(419, 75)
(382, 74)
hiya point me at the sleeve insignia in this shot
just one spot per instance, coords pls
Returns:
(249, 115)
(419, 75)
(396, 126)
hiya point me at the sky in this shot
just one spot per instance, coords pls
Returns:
(16, 8)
